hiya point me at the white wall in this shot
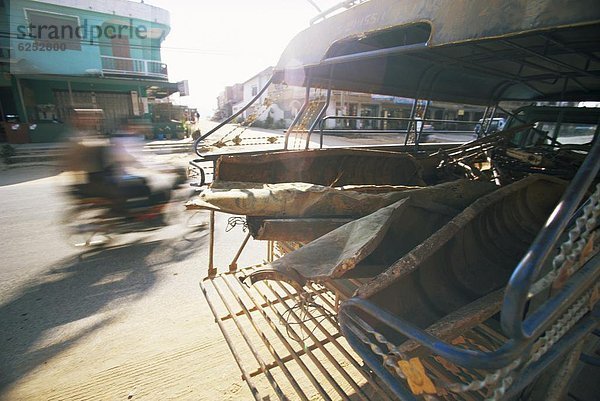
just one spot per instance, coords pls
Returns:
(122, 8)
(258, 82)
(275, 112)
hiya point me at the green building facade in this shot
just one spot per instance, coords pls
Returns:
(58, 56)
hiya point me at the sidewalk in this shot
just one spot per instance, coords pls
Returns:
(33, 154)
(123, 322)
(42, 154)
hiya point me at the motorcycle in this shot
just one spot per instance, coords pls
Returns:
(111, 201)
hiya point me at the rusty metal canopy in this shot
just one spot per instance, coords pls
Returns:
(463, 50)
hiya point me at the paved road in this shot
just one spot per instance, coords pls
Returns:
(125, 322)
(256, 135)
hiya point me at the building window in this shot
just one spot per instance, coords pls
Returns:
(254, 90)
(54, 29)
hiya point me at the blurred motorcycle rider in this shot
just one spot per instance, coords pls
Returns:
(110, 169)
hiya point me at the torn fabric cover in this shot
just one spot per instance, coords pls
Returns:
(407, 222)
(296, 199)
(310, 200)
(327, 167)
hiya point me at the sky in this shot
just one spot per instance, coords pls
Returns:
(217, 43)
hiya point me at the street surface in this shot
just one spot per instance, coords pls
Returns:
(248, 138)
(124, 322)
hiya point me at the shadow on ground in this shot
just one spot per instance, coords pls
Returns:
(19, 175)
(69, 302)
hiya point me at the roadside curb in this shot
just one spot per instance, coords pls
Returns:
(51, 154)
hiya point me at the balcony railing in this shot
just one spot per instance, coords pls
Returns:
(133, 67)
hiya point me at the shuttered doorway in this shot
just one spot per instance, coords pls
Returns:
(116, 106)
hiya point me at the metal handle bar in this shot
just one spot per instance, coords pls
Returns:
(232, 117)
(195, 164)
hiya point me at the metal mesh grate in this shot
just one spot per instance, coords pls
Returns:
(288, 345)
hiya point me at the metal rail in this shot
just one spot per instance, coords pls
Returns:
(408, 120)
(232, 117)
(318, 119)
(200, 169)
(298, 117)
(342, 5)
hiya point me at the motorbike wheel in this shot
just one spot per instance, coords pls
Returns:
(196, 219)
(86, 226)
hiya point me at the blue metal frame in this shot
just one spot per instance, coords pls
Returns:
(585, 327)
(515, 299)
(521, 331)
(500, 358)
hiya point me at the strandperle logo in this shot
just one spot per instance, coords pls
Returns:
(92, 33)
